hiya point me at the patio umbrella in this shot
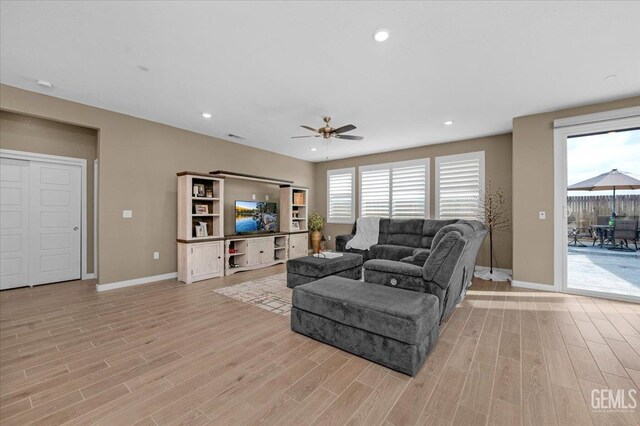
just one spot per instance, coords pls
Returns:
(608, 181)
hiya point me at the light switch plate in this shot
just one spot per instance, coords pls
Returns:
(127, 214)
(266, 197)
(542, 215)
(253, 196)
(156, 255)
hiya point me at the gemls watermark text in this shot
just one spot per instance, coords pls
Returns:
(607, 400)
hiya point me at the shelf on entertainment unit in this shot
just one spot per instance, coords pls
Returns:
(205, 215)
(205, 198)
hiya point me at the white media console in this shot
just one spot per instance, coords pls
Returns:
(204, 252)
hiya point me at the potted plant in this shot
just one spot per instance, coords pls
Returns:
(316, 225)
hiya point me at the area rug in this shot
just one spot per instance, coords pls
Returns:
(270, 293)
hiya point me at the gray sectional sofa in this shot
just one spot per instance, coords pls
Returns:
(446, 272)
(408, 240)
(393, 317)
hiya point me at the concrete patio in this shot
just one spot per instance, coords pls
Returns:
(600, 269)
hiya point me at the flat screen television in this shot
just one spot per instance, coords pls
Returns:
(256, 216)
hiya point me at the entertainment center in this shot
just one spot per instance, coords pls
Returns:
(265, 234)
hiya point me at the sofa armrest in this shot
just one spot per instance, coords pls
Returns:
(393, 267)
(341, 241)
(443, 260)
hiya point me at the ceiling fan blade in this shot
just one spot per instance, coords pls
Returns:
(350, 137)
(309, 128)
(309, 136)
(343, 129)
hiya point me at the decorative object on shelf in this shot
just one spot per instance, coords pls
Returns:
(316, 225)
(209, 193)
(295, 214)
(202, 209)
(200, 231)
(295, 226)
(298, 198)
(493, 212)
(204, 228)
(198, 190)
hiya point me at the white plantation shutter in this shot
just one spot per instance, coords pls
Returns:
(395, 189)
(374, 193)
(340, 197)
(459, 179)
(409, 191)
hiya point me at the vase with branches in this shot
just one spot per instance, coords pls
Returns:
(316, 225)
(493, 212)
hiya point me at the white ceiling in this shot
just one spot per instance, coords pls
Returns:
(264, 68)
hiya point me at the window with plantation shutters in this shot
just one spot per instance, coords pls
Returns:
(398, 190)
(459, 179)
(340, 195)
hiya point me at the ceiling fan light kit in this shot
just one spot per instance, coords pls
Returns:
(328, 132)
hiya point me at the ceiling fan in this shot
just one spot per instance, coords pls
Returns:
(328, 132)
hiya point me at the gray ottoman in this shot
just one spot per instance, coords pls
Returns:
(393, 327)
(309, 268)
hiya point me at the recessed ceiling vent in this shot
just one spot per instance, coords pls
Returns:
(231, 135)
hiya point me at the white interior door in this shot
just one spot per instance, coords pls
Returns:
(14, 218)
(54, 221)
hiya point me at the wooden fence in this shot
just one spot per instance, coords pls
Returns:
(583, 210)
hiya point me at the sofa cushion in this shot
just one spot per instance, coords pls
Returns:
(402, 315)
(431, 228)
(411, 261)
(393, 267)
(319, 267)
(405, 232)
(390, 252)
(383, 231)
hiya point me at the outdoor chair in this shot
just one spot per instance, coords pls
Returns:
(601, 234)
(623, 231)
(578, 232)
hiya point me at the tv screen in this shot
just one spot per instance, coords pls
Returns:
(256, 216)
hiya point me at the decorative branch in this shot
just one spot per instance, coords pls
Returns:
(493, 211)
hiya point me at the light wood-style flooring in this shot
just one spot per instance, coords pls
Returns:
(167, 353)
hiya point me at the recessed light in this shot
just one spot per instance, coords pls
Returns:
(44, 83)
(381, 35)
(313, 149)
(206, 115)
(448, 123)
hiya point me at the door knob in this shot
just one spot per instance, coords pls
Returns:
(75, 228)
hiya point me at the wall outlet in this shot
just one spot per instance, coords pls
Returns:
(266, 197)
(156, 255)
(542, 215)
(253, 196)
(328, 237)
(127, 214)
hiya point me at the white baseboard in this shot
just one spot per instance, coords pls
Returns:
(533, 286)
(89, 277)
(137, 281)
(486, 268)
